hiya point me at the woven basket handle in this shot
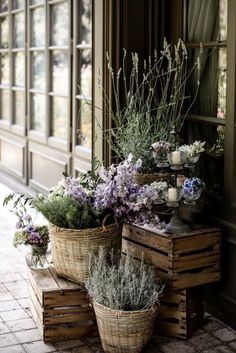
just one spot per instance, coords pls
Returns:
(105, 219)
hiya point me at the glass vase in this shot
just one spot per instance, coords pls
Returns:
(36, 258)
(191, 198)
(191, 160)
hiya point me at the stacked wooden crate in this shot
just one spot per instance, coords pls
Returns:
(60, 308)
(184, 262)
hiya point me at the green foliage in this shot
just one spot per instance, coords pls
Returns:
(127, 285)
(65, 212)
(149, 102)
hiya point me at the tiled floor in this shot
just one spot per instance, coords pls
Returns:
(19, 334)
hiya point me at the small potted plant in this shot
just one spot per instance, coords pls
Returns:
(29, 234)
(125, 298)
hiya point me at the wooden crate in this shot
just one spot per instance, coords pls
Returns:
(60, 308)
(181, 260)
(181, 313)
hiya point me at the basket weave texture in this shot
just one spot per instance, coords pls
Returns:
(124, 331)
(147, 179)
(71, 248)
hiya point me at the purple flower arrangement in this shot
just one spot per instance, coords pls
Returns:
(122, 197)
(28, 233)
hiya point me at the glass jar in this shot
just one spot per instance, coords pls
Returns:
(191, 198)
(37, 257)
(173, 195)
(191, 160)
(177, 159)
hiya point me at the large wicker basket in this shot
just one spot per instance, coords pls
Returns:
(71, 248)
(124, 331)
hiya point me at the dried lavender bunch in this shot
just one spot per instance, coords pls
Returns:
(128, 285)
(154, 95)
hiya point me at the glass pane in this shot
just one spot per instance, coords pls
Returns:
(19, 30)
(3, 5)
(60, 117)
(85, 85)
(206, 20)
(86, 21)
(4, 34)
(38, 27)
(60, 24)
(34, 2)
(18, 4)
(5, 69)
(221, 107)
(211, 99)
(85, 126)
(223, 19)
(60, 72)
(5, 104)
(38, 70)
(19, 108)
(19, 73)
(38, 112)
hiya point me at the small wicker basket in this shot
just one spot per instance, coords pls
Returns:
(147, 179)
(71, 248)
(124, 331)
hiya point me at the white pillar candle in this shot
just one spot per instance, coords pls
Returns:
(172, 195)
(176, 157)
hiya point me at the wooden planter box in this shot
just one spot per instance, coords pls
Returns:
(181, 260)
(60, 308)
(181, 313)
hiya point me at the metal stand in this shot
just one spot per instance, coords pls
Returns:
(176, 225)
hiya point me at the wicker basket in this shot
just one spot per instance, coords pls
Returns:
(147, 179)
(124, 331)
(71, 248)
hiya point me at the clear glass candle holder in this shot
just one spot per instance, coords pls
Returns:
(161, 158)
(177, 159)
(191, 160)
(173, 195)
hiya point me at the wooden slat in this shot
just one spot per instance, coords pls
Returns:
(196, 261)
(44, 280)
(151, 239)
(169, 312)
(35, 287)
(171, 329)
(209, 275)
(157, 259)
(83, 318)
(65, 298)
(36, 318)
(61, 333)
(36, 303)
(63, 283)
(195, 242)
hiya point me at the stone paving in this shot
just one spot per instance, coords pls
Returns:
(19, 334)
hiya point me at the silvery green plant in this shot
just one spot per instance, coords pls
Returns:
(149, 102)
(127, 285)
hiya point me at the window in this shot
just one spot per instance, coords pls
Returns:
(205, 21)
(46, 85)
